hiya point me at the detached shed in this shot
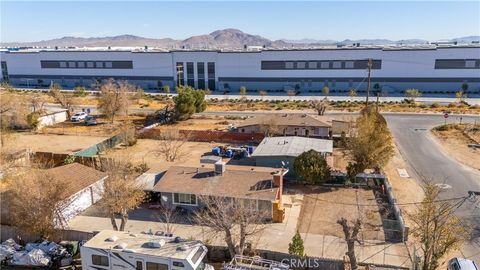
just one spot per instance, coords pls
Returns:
(272, 151)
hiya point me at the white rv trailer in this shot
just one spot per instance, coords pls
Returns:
(145, 251)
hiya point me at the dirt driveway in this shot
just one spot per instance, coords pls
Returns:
(323, 206)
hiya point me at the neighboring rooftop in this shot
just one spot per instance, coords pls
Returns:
(291, 146)
(284, 119)
(78, 176)
(231, 183)
(141, 243)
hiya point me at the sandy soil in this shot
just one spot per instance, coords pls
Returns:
(322, 207)
(455, 143)
(202, 123)
(56, 143)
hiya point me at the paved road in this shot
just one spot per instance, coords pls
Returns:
(427, 161)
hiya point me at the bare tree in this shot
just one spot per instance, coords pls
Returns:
(37, 102)
(239, 220)
(66, 100)
(127, 133)
(169, 218)
(351, 236)
(115, 98)
(436, 226)
(171, 144)
(320, 105)
(121, 192)
(269, 127)
(41, 209)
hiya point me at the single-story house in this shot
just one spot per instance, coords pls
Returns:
(306, 125)
(185, 186)
(52, 117)
(281, 151)
(85, 187)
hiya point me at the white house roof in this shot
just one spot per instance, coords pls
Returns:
(291, 146)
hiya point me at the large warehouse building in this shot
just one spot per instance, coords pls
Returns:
(394, 68)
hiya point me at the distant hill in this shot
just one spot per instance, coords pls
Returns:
(226, 38)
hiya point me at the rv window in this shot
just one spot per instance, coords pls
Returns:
(139, 265)
(100, 260)
(197, 255)
(178, 264)
(156, 266)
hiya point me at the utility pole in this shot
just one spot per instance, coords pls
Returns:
(369, 65)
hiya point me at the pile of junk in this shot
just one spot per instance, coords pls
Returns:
(41, 255)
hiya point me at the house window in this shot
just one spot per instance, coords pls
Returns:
(81, 64)
(300, 65)
(242, 130)
(63, 64)
(183, 198)
(312, 65)
(108, 65)
(99, 64)
(90, 65)
(156, 266)
(71, 64)
(349, 64)
(324, 65)
(288, 65)
(337, 64)
(178, 264)
(139, 265)
(100, 260)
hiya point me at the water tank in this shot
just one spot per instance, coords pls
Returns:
(250, 150)
(229, 153)
(216, 151)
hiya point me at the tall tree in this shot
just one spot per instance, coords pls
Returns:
(351, 236)
(237, 219)
(436, 227)
(370, 144)
(121, 192)
(115, 98)
(320, 105)
(188, 101)
(243, 90)
(66, 100)
(312, 167)
(326, 90)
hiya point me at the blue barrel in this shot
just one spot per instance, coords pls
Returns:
(229, 153)
(245, 154)
(216, 151)
(250, 150)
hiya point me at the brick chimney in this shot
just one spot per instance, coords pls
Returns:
(278, 183)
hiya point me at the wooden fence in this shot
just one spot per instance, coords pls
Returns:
(7, 232)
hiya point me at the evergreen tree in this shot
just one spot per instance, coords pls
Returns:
(312, 167)
(296, 246)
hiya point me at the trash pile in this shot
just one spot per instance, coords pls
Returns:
(46, 253)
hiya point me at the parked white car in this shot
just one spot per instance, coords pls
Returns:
(461, 264)
(79, 116)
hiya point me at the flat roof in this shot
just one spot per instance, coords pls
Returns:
(138, 243)
(246, 184)
(284, 119)
(291, 146)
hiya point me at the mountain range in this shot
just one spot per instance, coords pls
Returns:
(220, 39)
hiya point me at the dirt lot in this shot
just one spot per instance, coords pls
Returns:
(104, 127)
(455, 139)
(202, 123)
(56, 143)
(144, 151)
(323, 206)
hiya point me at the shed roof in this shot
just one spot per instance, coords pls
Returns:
(232, 183)
(78, 176)
(291, 146)
(284, 119)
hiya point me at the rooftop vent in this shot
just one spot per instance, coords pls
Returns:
(178, 239)
(156, 244)
(111, 239)
(182, 248)
(120, 246)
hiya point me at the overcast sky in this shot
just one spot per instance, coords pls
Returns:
(431, 20)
